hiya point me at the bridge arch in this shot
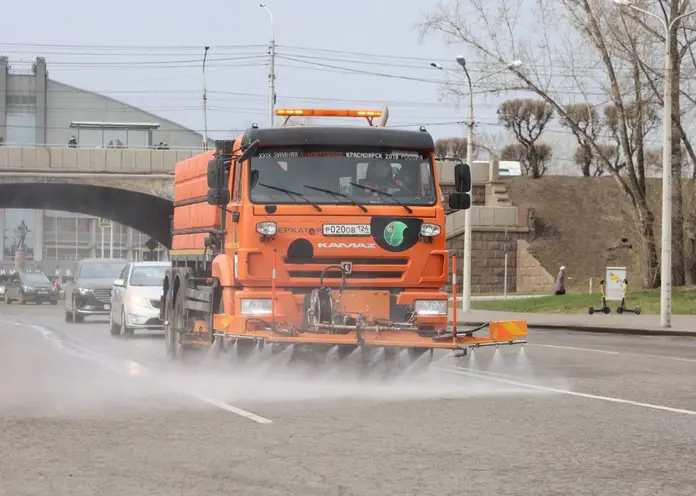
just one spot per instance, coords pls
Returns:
(147, 212)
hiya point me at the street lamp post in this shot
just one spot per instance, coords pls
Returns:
(666, 259)
(205, 103)
(271, 76)
(466, 275)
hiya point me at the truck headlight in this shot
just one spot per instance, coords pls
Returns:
(267, 228)
(431, 307)
(430, 230)
(256, 307)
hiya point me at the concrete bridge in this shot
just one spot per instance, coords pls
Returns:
(133, 187)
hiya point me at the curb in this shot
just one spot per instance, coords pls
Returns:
(601, 330)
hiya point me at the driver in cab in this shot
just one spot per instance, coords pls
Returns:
(381, 177)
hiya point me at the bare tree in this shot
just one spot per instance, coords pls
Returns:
(451, 148)
(527, 118)
(517, 152)
(494, 29)
(588, 127)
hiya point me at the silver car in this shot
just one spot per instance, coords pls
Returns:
(135, 298)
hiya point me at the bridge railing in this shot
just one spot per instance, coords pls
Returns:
(60, 158)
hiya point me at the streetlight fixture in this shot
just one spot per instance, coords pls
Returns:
(466, 283)
(271, 76)
(666, 259)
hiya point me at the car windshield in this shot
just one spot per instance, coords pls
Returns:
(342, 177)
(148, 275)
(101, 270)
(34, 278)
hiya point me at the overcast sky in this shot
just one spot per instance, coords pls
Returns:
(359, 54)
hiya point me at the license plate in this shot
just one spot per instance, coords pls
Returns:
(43, 292)
(107, 307)
(347, 230)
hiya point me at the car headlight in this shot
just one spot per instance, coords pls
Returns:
(256, 307)
(139, 301)
(431, 307)
(430, 230)
(83, 291)
(267, 228)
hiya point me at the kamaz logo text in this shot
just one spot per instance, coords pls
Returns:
(346, 245)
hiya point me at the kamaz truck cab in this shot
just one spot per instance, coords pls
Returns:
(315, 235)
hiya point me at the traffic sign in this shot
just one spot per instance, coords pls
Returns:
(104, 223)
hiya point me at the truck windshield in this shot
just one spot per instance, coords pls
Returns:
(329, 177)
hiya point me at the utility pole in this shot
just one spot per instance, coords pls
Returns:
(271, 75)
(466, 270)
(666, 249)
(205, 103)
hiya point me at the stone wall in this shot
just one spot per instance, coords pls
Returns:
(488, 258)
(531, 276)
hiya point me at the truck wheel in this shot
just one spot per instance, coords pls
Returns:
(245, 347)
(168, 327)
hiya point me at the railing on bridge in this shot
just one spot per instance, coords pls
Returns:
(59, 158)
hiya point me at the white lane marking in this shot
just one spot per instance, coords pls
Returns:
(610, 399)
(232, 409)
(573, 348)
(689, 360)
(134, 369)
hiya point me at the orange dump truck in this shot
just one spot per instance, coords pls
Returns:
(322, 236)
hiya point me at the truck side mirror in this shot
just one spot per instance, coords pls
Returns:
(459, 201)
(214, 174)
(462, 178)
(219, 196)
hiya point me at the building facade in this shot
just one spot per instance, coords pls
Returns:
(37, 111)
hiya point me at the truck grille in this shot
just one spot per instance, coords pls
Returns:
(337, 261)
(354, 275)
(103, 295)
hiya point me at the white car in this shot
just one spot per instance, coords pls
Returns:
(135, 298)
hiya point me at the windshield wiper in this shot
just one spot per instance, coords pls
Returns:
(337, 195)
(382, 193)
(287, 191)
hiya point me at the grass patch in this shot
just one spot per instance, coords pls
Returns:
(683, 302)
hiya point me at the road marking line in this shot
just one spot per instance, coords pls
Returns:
(689, 360)
(609, 399)
(232, 409)
(573, 348)
(134, 368)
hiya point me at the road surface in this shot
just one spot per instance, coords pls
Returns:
(83, 413)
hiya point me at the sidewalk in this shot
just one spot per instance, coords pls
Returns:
(646, 325)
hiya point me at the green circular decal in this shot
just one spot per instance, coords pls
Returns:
(394, 233)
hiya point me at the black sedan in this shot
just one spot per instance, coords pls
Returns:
(30, 286)
(89, 292)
